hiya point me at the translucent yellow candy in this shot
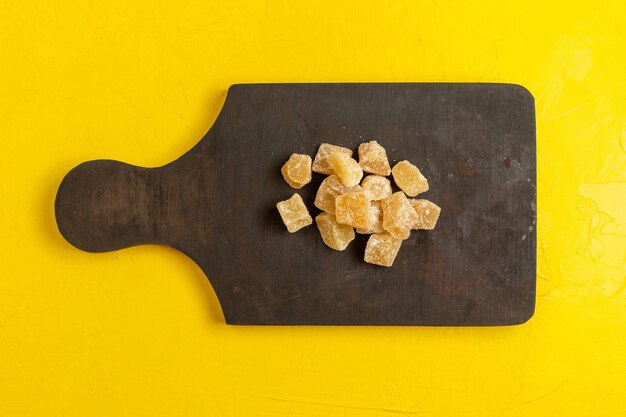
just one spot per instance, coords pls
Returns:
(409, 178)
(373, 158)
(427, 214)
(376, 220)
(354, 209)
(376, 187)
(297, 170)
(382, 249)
(294, 213)
(398, 215)
(320, 163)
(335, 236)
(371, 207)
(329, 189)
(346, 168)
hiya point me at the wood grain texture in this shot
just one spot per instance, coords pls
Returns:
(474, 142)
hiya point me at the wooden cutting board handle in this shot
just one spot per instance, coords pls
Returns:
(106, 205)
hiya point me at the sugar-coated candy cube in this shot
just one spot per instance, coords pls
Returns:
(376, 187)
(354, 209)
(320, 163)
(373, 158)
(346, 168)
(427, 214)
(382, 249)
(329, 189)
(294, 213)
(376, 220)
(398, 215)
(335, 236)
(409, 178)
(297, 170)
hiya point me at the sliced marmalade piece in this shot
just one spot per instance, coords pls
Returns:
(346, 168)
(373, 158)
(320, 163)
(409, 178)
(354, 209)
(294, 213)
(297, 170)
(336, 236)
(376, 187)
(398, 215)
(382, 249)
(329, 189)
(427, 214)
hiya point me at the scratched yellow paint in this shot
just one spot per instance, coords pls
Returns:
(139, 331)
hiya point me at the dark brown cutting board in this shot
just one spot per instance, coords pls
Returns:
(474, 142)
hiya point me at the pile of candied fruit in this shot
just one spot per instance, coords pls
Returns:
(349, 201)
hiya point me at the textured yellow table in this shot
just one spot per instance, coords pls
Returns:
(139, 332)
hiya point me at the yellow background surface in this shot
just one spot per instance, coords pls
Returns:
(139, 331)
